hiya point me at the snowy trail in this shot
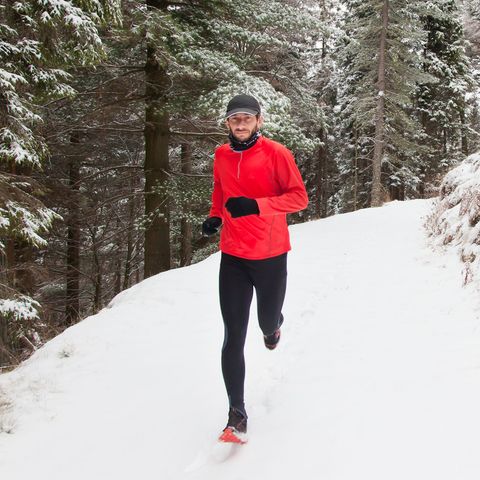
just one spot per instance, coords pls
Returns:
(377, 375)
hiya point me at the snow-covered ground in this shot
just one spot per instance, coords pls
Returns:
(377, 376)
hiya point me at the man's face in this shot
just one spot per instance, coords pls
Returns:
(243, 125)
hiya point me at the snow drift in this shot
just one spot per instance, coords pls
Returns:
(455, 220)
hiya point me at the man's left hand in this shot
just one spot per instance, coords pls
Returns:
(242, 206)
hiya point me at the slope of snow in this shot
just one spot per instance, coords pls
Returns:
(377, 375)
(455, 219)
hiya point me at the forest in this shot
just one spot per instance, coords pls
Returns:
(110, 112)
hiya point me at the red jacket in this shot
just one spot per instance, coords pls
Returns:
(266, 172)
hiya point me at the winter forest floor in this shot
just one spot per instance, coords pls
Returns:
(377, 376)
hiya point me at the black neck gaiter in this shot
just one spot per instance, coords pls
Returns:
(238, 146)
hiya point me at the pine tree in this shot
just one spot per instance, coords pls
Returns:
(442, 105)
(319, 167)
(471, 24)
(40, 39)
(381, 61)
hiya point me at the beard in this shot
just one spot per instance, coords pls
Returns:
(244, 135)
(239, 144)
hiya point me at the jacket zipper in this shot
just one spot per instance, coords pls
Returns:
(238, 166)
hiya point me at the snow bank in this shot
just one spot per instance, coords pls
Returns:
(455, 217)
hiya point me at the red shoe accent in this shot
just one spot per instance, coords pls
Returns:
(276, 340)
(229, 436)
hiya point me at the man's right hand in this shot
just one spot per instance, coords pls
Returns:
(211, 226)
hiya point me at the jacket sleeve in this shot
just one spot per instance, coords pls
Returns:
(217, 194)
(294, 196)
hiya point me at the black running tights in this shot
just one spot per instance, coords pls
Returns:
(238, 278)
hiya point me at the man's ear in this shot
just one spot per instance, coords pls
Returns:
(260, 121)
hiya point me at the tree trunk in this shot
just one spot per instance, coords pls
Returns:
(72, 306)
(321, 176)
(397, 192)
(463, 130)
(5, 354)
(7, 279)
(117, 283)
(97, 276)
(186, 226)
(130, 230)
(355, 171)
(117, 288)
(157, 137)
(17, 277)
(425, 169)
(376, 199)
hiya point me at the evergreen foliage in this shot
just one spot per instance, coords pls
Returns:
(427, 76)
(40, 41)
(217, 49)
(442, 105)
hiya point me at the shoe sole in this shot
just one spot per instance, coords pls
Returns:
(231, 435)
(273, 346)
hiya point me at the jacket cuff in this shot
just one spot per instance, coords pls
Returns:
(263, 207)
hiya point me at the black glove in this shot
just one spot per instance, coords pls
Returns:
(241, 206)
(211, 226)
